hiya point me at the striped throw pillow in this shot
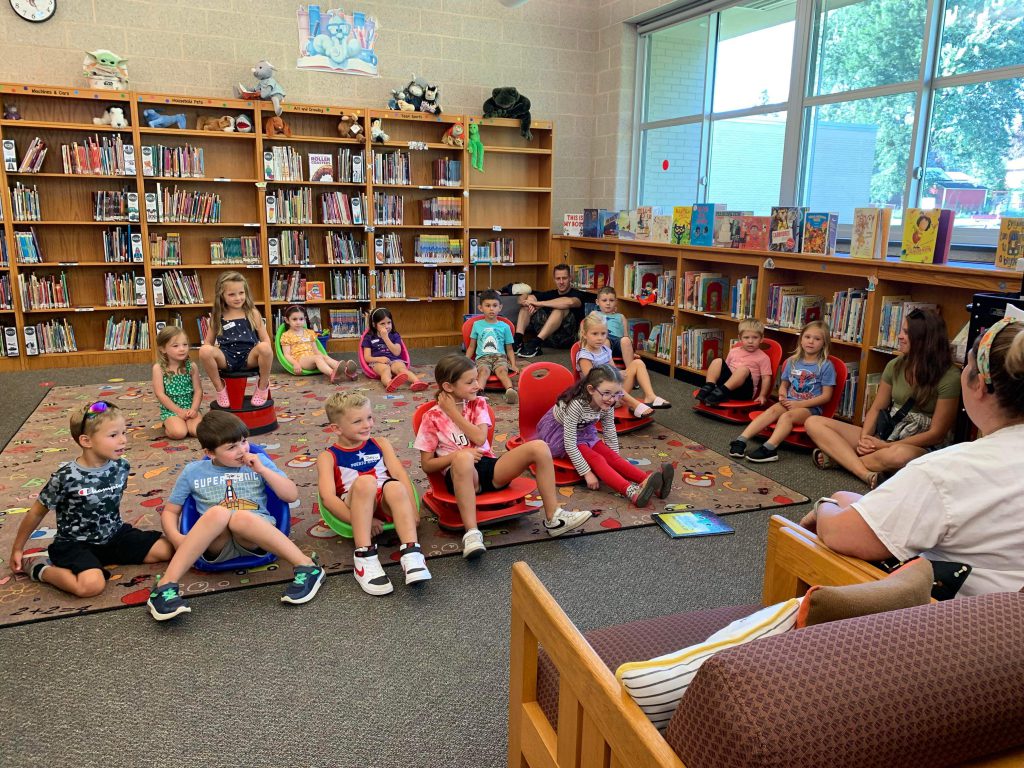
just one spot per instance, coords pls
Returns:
(658, 685)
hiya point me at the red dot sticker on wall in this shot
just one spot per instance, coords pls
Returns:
(664, 165)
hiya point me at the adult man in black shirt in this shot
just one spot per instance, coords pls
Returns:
(554, 315)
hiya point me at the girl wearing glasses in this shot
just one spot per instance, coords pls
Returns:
(570, 430)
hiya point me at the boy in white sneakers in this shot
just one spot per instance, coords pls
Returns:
(362, 482)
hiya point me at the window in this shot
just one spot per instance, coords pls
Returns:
(754, 56)
(677, 58)
(746, 162)
(981, 34)
(671, 164)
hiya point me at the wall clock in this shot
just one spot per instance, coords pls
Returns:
(36, 11)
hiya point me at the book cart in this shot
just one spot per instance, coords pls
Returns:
(949, 286)
(118, 230)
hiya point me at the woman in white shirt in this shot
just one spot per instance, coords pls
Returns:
(959, 504)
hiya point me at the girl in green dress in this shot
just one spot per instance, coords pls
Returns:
(176, 384)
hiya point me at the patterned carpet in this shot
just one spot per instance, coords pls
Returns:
(704, 479)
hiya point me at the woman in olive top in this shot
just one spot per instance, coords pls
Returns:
(923, 371)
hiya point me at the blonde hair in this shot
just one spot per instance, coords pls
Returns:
(751, 324)
(84, 422)
(1006, 367)
(167, 334)
(590, 321)
(340, 402)
(217, 320)
(826, 333)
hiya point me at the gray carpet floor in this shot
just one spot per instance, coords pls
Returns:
(418, 678)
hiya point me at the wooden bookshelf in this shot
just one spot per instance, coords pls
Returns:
(950, 286)
(511, 198)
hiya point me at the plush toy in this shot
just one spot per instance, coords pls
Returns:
(210, 123)
(114, 117)
(276, 126)
(508, 102)
(377, 131)
(266, 88)
(429, 103)
(11, 112)
(454, 136)
(414, 92)
(243, 123)
(105, 69)
(156, 119)
(476, 147)
(349, 127)
(399, 101)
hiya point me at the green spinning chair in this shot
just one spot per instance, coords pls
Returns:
(344, 529)
(284, 360)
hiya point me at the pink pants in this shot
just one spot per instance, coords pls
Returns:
(613, 470)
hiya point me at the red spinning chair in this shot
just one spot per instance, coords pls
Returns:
(467, 327)
(494, 507)
(260, 419)
(798, 437)
(540, 384)
(739, 411)
(625, 421)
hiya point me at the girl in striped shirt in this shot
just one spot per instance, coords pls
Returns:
(570, 430)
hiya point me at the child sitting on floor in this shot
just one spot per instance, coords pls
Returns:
(594, 351)
(745, 371)
(618, 339)
(230, 492)
(86, 495)
(299, 347)
(490, 345)
(362, 482)
(452, 438)
(176, 384)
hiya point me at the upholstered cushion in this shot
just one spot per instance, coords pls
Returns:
(658, 684)
(638, 640)
(907, 586)
(934, 685)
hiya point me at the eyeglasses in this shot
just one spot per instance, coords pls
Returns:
(100, 406)
(609, 395)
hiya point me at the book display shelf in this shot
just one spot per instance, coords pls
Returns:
(115, 230)
(950, 287)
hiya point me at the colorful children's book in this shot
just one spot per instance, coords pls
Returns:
(639, 331)
(572, 224)
(626, 222)
(702, 224)
(820, 231)
(644, 221)
(870, 236)
(754, 232)
(714, 294)
(920, 235)
(661, 229)
(681, 217)
(1011, 243)
(591, 224)
(690, 522)
(608, 223)
(601, 276)
(787, 225)
(945, 237)
(727, 228)
(315, 290)
(321, 166)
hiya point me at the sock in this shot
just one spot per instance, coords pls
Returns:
(471, 530)
(742, 439)
(408, 546)
(517, 337)
(769, 446)
(37, 570)
(724, 388)
(369, 551)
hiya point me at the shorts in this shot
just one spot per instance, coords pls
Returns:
(565, 335)
(235, 358)
(615, 342)
(492, 363)
(484, 473)
(378, 507)
(128, 546)
(233, 549)
(744, 391)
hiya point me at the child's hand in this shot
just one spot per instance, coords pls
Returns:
(762, 400)
(448, 405)
(513, 368)
(476, 452)
(190, 414)
(593, 483)
(252, 461)
(376, 527)
(16, 556)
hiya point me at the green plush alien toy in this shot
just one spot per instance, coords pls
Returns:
(476, 148)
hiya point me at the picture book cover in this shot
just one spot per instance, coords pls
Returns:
(601, 276)
(609, 223)
(864, 234)
(591, 226)
(755, 232)
(316, 290)
(920, 235)
(681, 216)
(787, 223)
(661, 229)
(625, 225)
(944, 239)
(714, 294)
(644, 221)
(820, 230)
(702, 224)
(710, 349)
(572, 224)
(639, 331)
(1011, 243)
(321, 166)
(684, 523)
(727, 230)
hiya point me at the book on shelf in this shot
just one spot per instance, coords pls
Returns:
(441, 211)
(282, 163)
(345, 248)
(776, 293)
(702, 223)
(236, 250)
(126, 334)
(871, 384)
(1011, 242)
(697, 347)
(624, 226)
(107, 155)
(391, 284)
(26, 247)
(894, 310)
(316, 290)
(609, 223)
(447, 172)
(926, 236)
(661, 227)
(787, 228)
(641, 277)
(754, 232)
(713, 292)
(349, 284)
(572, 224)
(681, 216)
(390, 167)
(449, 284)
(437, 249)
(180, 162)
(165, 250)
(643, 218)
(845, 314)
(44, 291)
(321, 166)
(659, 343)
(347, 323)
(54, 336)
(820, 231)
(6, 292)
(11, 347)
(500, 250)
(25, 202)
(314, 319)
(869, 237)
(743, 297)
(10, 155)
(287, 287)
(639, 330)
(183, 287)
(727, 229)
(849, 398)
(32, 160)
(591, 223)
(388, 249)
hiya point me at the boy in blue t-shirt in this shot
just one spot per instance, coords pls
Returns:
(230, 491)
(490, 345)
(618, 339)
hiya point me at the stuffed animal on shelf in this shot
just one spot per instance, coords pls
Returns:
(11, 112)
(476, 148)
(454, 136)
(156, 119)
(106, 69)
(114, 117)
(276, 126)
(266, 88)
(399, 102)
(210, 123)
(377, 131)
(243, 123)
(430, 103)
(414, 92)
(349, 127)
(508, 102)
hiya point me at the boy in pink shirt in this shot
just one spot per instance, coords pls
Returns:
(745, 371)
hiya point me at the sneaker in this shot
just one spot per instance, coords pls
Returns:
(640, 494)
(473, 545)
(763, 455)
(222, 398)
(530, 349)
(668, 474)
(34, 569)
(511, 396)
(716, 396)
(370, 574)
(414, 565)
(517, 343)
(305, 583)
(704, 391)
(564, 521)
(737, 449)
(165, 602)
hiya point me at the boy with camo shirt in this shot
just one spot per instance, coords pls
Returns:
(86, 495)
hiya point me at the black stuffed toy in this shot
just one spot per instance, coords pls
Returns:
(508, 102)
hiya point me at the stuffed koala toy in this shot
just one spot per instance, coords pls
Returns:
(508, 102)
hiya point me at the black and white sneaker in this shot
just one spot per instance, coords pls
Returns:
(565, 521)
(414, 565)
(305, 584)
(370, 573)
(737, 449)
(763, 455)
(530, 349)
(165, 602)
